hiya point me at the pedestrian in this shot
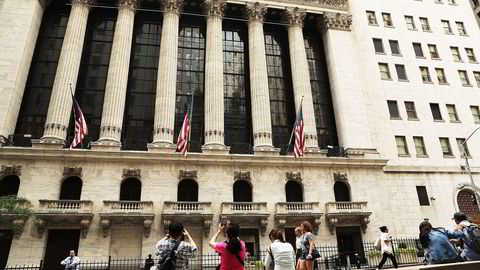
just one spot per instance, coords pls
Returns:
(185, 249)
(306, 258)
(280, 254)
(149, 262)
(436, 242)
(387, 248)
(72, 262)
(298, 245)
(463, 225)
(232, 251)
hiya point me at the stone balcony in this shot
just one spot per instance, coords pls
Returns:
(291, 214)
(248, 214)
(347, 213)
(66, 213)
(127, 213)
(188, 213)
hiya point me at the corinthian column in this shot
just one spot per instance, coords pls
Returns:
(261, 118)
(60, 105)
(214, 105)
(117, 78)
(301, 75)
(167, 78)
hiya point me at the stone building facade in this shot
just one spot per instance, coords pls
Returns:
(395, 85)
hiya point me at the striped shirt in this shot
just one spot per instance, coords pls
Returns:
(184, 252)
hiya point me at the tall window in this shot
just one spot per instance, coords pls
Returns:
(411, 111)
(476, 114)
(34, 108)
(417, 48)
(92, 76)
(425, 24)
(432, 48)
(372, 19)
(422, 195)
(446, 148)
(456, 54)
(341, 191)
(442, 79)
(187, 191)
(142, 82)
(282, 104)
(394, 47)
(242, 191)
(378, 45)
(293, 191)
(9, 185)
(402, 147)
(436, 113)
(461, 28)
(71, 188)
(464, 77)
(384, 71)
(238, 126)
(393, 109)
(190, 78)
(463, 147)
(410, 23)
(322, 98)
(425, 75)
(446, 27)
(420, 146)
(387, 20)
(130, 190)
(452, 113)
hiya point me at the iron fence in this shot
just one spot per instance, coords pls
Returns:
(406, 250)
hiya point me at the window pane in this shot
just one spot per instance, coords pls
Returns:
(422, 195)
(401, 73)
(378, 44)
(394, 47)
(393, 109)
(435, 111)
(417, 47)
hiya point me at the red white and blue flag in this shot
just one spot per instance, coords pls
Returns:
(182, 141)
(81, 129)
(299, 148)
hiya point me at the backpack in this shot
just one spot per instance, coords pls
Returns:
(473, 232)
(378, 244)
(168, 262)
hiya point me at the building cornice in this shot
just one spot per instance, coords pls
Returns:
(313, 6)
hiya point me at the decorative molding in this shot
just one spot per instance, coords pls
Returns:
(187, 174)
(294, 176)
(332, 3)
(72, 171)
(340, 177)
(132, 172)
(172, 5)
(108, 128)
(11, 170)
(82, 2)
(131, 5)
(207, 223)
(147, 226)
(294, 16)
(84, 225)
(335, 21)
(332, 223)
(242, 175)
(263, 225)
(40, 224)
(255, 11)
(105, 225)
(214, 132)
(214, 7)
(262, 134)
(20, 224)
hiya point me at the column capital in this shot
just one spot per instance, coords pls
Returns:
(294, 16)
(82, 2)
(128, 4)
(214, 7)
(334, 21)
(256, 11)
(44, 3)
(172, 5)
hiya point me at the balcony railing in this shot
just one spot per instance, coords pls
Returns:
(128, 206)
(187, 207)
(297, 207)
(65, 206)
(245, 208)
(346, 207)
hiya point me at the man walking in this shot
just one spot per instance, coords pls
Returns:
(72, 262)
(184, 250)
(387, 249)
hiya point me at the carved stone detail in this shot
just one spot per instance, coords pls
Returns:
(214, 7)
(332, 222)
(206, 226)
(294, 16)
(40, 224)
(256, 11)
(263, 225)
(84, 225)
(20, 224)
(295, 176)
(132, 172)
(83, 2)
(105, 225)
(335, 21)
(187, 174)
(11, 170)
(172, 5)
(241, 175)
(332, 3)
(147, 226)
(340, 177)
(129, 4)
(72, 171)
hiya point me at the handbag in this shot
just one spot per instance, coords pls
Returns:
(315, 254)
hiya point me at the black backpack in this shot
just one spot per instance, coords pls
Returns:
(168, 262)
(473, 232)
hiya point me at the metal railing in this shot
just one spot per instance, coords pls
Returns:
(65, 205)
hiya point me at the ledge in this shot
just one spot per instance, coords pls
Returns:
(315, 6)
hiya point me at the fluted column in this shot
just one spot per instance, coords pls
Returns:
(214, 95)
(60, 105)
(163, 127)
(261, 118)
(301, 75)
(117, 77)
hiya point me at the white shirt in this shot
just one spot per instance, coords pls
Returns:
(283, 254)
(386, 247)
(71, 263)
(298, 243)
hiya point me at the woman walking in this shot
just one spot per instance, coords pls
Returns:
(280, 255)
(232, 251)
(306, 259)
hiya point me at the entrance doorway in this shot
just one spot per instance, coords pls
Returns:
(290, 237)
(252, 241)
(5, 243)
(349, 241)
(59, 244)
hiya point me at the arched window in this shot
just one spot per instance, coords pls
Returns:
(187, 191)
(71, 188)
(468, 204)
(342, 192)
(9, 185)
(242, 191)
(130, 190)
(294, 191)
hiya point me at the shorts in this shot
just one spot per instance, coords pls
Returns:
(304, 255)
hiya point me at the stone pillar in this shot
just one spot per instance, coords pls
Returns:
(117, 78)
(20, 21)
(214, 95)
(347, 93)
(301, 75)
(163, 127)
(261, 118)
(60, 106)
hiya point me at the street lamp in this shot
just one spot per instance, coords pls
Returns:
(462, 145)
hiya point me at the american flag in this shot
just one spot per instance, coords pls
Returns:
(182, 141)
(299, 148)
(81, 129)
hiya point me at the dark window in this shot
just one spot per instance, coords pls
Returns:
(34, 108)
(393, 109)
(417, 47)
(190, 78)
(282, 105)
(437, 115)
(238, 126)
(242, 191)
(322, 98)
(71, 188)
(187, 191)
(342, 192)
(9, 185)
(422, 195)
(130, 190)
(294, 191)
(378, 45)
(92, 76)
(394, 47)
(142, 82)
(401, 73)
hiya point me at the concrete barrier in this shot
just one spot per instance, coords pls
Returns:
(453, 266)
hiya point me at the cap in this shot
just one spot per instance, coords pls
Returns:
(459, 216)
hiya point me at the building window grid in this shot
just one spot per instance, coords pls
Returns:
(452, 113)
(445, 145)
(411, 111)
(425, 24)
(464, 77)
(425, 75)
(402, 147)
(387, 20)
(410, 23)
(442, 79)
(420, 146)
(432, 48)
(463, 150)
(384, 71)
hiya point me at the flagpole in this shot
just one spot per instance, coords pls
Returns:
(190, 116)
(294, 124)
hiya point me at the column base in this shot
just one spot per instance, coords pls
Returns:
(362, 152)
(266, 150)
(315, 151)
(49, 143)
(218, 149)
(106, 145)
(161, 147)
(3, 141)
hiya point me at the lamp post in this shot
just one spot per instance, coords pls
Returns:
(462, 145)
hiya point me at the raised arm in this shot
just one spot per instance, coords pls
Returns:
(214, 238)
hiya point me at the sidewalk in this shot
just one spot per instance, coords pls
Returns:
(451, 266)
